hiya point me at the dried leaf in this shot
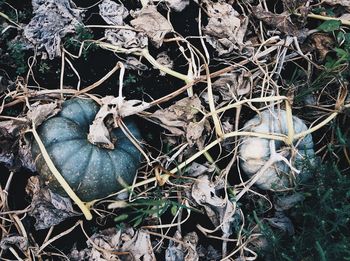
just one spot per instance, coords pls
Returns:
(41, 112)
(133, 63)
(281, 22)
(177, 5)
(181, 117)
(48, 208)
(282, 222)
(225, 30)
(208, 253)
(116, 107)
(112, 12)
(152, 23)
(231, 85)
(323, 44)
(126, 38)
(14, 240)
(287, 202)
(164, 59)
(112, 241)
(220, 211)
(183, 252)
(52, 21)
(337, 2)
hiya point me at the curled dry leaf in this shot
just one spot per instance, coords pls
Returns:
(14, 240)
(220, 211)
(132, 63)
(164, 59)
(180, 119)
(231, 85)
(323, 44)
(281, 22)
(48, 208)
(112, 12)
(41, 112)
(126, 38)
(117, 107)
(287, 202)
(183, 252)
(225, 30)
(282, 222)
(152, 23)
(177, 5)
(345, 3)
(51, 22)
(113, 244)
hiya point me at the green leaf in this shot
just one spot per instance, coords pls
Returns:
(173, 210)
(121, 217)
(329, 26)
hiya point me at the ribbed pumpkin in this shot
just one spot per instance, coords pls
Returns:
(91, 171)
(254, 152)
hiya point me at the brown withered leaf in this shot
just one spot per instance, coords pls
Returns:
(14, 240)
(116, 107)
(231, 85)
(186, 251)
(40, 112)
(281, 22)
(177, 5)
(112, 12)
(48, 208)
(180, 119)
(220, 211)
(152, 23)
(134, 244)
(345, 3)
(225, 30)
(323, 44)
(164, 59)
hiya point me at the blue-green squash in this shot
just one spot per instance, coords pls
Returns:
(91, 171)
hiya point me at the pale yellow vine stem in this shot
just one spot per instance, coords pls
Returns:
(326, 18)
(290, 125)
(84, 208)
(145, 53)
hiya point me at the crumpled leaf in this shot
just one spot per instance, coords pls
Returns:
(14, 240)
(116, 107)
(183, 252)
(40, 112)
(208, 253)
(281, 21)
(126, 38)
(48, 208)
(53, 20)
(14, 152)
(164, 59)
(196, 169)
(323, 44)
(220, 211)
(282, 222)
(112, 12)
(180, 119)
(111, 242)
(177, 5)
(132, 63)
(337, 2)
(287, 202)
(152, 23)
(231, 85)
(225, 30)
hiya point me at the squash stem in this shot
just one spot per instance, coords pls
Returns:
(84, 208)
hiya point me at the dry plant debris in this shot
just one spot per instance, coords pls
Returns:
(237, 102)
